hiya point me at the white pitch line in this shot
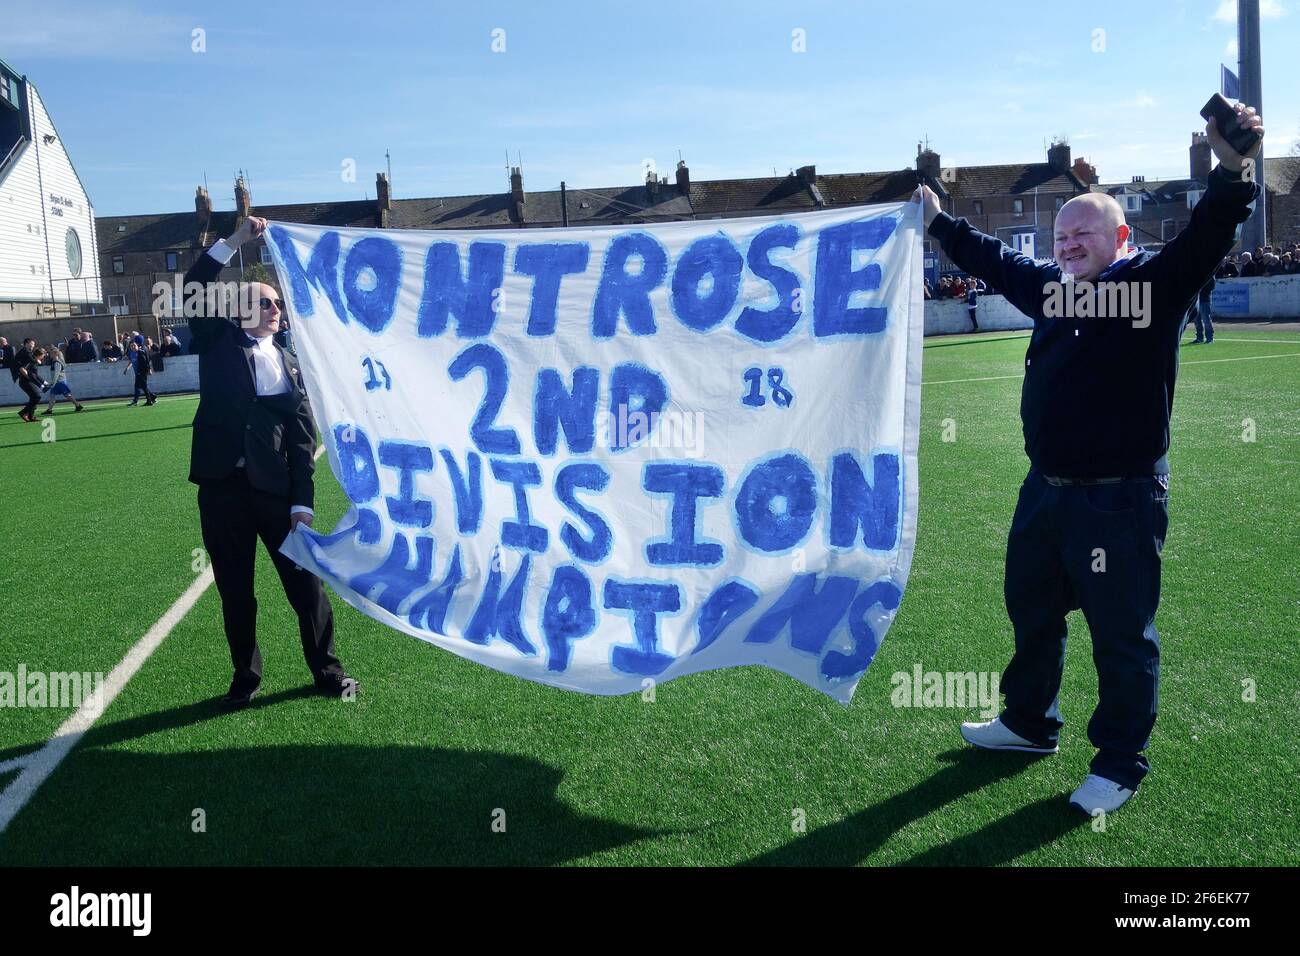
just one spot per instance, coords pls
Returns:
(996, 378)
(38, 765)
(1261, 341)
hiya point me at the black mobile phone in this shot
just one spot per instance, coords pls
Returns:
(1225, 117)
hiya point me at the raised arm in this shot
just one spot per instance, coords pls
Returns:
(1190, 259)
(1011, 273)
(205, 329)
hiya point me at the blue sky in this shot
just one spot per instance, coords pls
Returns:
(587, 92)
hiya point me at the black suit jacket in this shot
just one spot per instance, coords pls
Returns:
(274, 434)
(25, 360)
(7, 360)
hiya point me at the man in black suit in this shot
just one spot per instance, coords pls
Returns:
(252, 458)
(6, 353)
(23, 368)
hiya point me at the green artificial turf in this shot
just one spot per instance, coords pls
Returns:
(100, 541)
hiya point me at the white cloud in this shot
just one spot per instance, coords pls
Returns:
(1230, 49)
(56, 29)
(1227, 11)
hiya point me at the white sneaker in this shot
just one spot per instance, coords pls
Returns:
(994, 735)
(1098, 793)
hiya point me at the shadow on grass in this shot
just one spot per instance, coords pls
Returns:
(974, 341)
(1009, 838)
(852, 840)
(300, 805)
(134, 431)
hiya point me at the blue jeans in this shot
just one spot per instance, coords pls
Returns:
(1095, 548)
(1204, 321)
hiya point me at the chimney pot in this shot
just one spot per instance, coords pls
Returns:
(683, 178)
(202, 205)
(1058, 156)
(927, 162)
(1201, 156)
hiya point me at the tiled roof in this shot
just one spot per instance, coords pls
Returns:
(765, 194)
(182, 230)
(173, 230)
(1282, 173)
(1156, 190)
(970, 182)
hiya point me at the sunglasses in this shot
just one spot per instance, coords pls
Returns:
(266, 303)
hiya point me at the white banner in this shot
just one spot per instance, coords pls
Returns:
(603, 457)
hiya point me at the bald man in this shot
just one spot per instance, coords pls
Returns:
(252, 458)
(1092, 514)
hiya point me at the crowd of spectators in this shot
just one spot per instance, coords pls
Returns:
(1280, 260)
(956, 287)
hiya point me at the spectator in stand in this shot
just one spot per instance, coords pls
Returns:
(88, 351)
(73, 347)
(59, 387)
(6, 353)
(1227, 269)
(110, 351)
(170, 347)
(1272, 265)
(970, 306)
(1290, 264)
(25, 373)
(929, 293)
(1248, 267)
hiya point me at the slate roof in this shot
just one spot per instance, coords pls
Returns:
(973, 182)
(1282, 174)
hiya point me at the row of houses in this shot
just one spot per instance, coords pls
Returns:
(110, 268)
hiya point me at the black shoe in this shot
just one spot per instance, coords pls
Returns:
(340, 685)
(237, 699)
(136, 402)
(1196, 342)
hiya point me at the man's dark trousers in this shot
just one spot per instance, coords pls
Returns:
(33, 393)
(233, 515)
(1097, 548)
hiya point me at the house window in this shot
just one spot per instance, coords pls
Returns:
(117, 304)
(119, 267)
(266, 255)
(1133, 202)
(1018, 207)
(979, 207)
(9, 90)
(171, 262)
(1060, 201)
